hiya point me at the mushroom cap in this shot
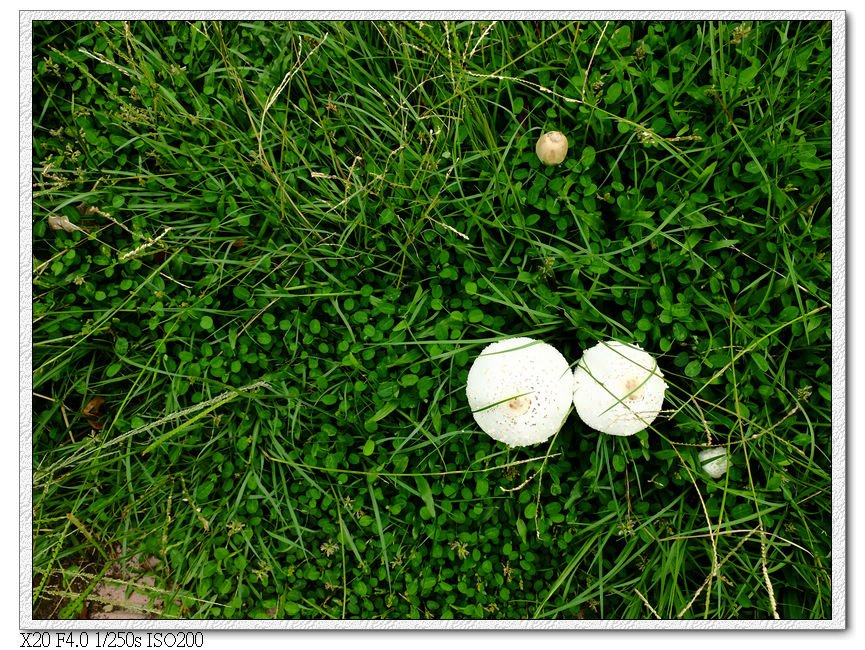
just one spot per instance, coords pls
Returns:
(520, 391)
(714, 461)
(618, 388)
(552, 147)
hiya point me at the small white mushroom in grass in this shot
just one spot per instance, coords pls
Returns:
(618, 388)
(552, 147)
(520, 391)
(714, 461)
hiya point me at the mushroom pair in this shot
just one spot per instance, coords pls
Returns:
(521, 390)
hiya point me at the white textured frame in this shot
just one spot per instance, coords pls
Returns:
(838, 620)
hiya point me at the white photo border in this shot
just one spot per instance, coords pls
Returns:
(838, 621)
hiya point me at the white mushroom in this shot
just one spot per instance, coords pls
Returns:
(618, 388)
(552, 147)
(520, 391)
(714, 461)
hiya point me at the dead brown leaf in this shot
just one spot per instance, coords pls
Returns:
(92, 410)
(61, 222)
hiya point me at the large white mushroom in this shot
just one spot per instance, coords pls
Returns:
(520, 391)
(618, 388)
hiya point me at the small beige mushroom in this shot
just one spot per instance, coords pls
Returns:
(552, 147)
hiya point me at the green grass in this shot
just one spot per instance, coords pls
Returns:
(296, 238)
